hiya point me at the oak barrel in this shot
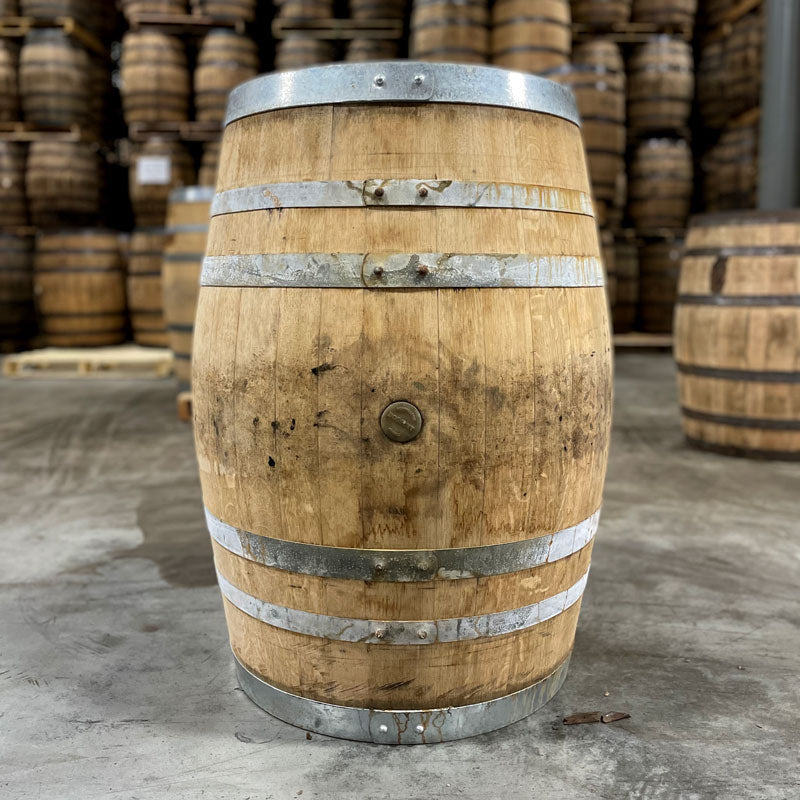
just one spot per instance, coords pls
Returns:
(225, 60)
(9, 8)
(297, 50)
(676, 13)
(209, 161)
(157, 167)
(626, 270)
(450, 30)
(145, 294)
(730, 169)
(660, 181)
(135, 8)
(601, 13)
(531, 35)
(63, 183)
(155, 77)
(187, 230)
(659, 267)
(736, 333)
(411, 408)
(13, 207)
(371, 49)
(80, 288)
(238, 10)
(54, 80)
(304, 9)
(377, 9)
(16, 291)
(9, 83)
(609, 258)
(660, 86)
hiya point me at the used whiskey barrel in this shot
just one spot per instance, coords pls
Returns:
(531, 35)
(9, 92)
(80, 288)
(207, 174)
(239, 10)
(225, 60)
(145, 304)
(626, 269)
(297, 50)
(660, 86)
(736, 334)
(601, 13)
(9, 8)
(730, 170)
(742, 67)
(659, 267)
(88, 14)
(135, 8)
(355, 238)
(16, 291)
(63, 182)
(157, 167)
(602, 54)
(13, 209)
(304, 9)
(54, 80)
(187, 229)
(155, 77)
(377, 9)
(609, 265)
(669, 13)
(450, 30)
(660, 184)
(371, 49)
(600, 94)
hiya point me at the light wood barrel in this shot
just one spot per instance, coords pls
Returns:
(730, 170)
(371, 50)
(660, 184)
(626, 270)
(80, 288)
(240, 10)
(304, 9)
(225, 60)
(736, 334)
(145, 303)
(602, 54)
(155, 77)
(377, 9)
(531, 35)
(17, 323)
(157, 167)
(135, 8)
(660, 86)
(601, 13)
(659, 267)
(669, 13)
(450, 30)
(600, 94)
(405, 402)
(13, 207)
(63, 183)
(54, 80)
(9, 91)
(207, 174)
(296, 51)
(187, 229)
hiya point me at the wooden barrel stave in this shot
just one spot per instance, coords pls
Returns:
(145, 293)
(312, 369)
(444, 30)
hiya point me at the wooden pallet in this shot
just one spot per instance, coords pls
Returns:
(21, 26)
(629, 32)
(186, 24)
(184, 404)
(340, 29)
(637, 340)
(186, 131)
(123, 361)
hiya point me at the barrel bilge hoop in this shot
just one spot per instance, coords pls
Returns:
(396, 84)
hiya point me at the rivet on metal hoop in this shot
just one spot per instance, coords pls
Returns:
(383, 728)
(380, 633)
(418, 79)
(420, 729)
(379, 80)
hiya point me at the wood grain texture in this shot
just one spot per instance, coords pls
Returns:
(513, 386)
(751, 339)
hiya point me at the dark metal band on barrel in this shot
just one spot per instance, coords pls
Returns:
(401, 271)
(760, 376)
(424, 726)
(754, 301)
(403, 565)
(757, 423)
(401, 82)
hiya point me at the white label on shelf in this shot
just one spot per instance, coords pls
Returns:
(154, 170)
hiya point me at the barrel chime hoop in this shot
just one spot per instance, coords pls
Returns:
(402, 632)
(401, 270)
(760, 376)
(401, 82)
(378, 193)
(403, 565)
(379, 726)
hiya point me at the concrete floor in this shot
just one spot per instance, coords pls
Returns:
(116, 679)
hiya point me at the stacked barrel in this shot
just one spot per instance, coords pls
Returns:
(55, 87)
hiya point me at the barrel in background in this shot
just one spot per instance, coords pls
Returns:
(342, 346)
(736, 334)
(17, 321)
(450, 30)
(626, 272)
(9, 84)
(13, 205)
(659, 268)
(144, 288)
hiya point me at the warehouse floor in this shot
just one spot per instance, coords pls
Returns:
(116, 680)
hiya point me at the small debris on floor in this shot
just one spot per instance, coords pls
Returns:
(595, 716)
(615, 716)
